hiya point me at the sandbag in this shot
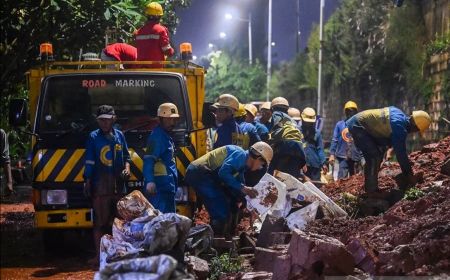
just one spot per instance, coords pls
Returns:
(300, 218)
(165, 232)
(135, 205)
(154, 268)
(112, 250)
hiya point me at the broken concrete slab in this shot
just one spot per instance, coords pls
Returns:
(271, 224)
(257, 275)
(319, 254)
(199, 267)
(282, 267)
(364, 255)
(265, 258)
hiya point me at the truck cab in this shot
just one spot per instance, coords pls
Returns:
(63, 98)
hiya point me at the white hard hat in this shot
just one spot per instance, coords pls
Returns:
(279, 101)
(227, 101)
(264, 150)
(168, 110)
(266, 105)
(294, 113)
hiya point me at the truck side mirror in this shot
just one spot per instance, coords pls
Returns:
(208, 118)
(18, 111)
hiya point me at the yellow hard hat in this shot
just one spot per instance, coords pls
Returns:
(294, 113)
(266, 105)
(154, 9)
(279, 101)
(422, 120)
(350, 105)
(251, 108)
(241, 112)
(227, 101)
(168, 110)
(309, 115)
(264, 150)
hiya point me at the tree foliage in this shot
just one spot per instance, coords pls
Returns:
(70, 26)
(229, 74)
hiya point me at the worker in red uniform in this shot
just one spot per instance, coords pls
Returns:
(119, 52)
(152, 40)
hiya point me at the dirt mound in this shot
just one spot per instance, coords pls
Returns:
(412, 237)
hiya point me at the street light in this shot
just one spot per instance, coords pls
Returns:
(194, 57)
(229, 16)
(210, 45)
(273, 44)
(222, 35)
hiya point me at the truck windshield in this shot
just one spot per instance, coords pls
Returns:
(70, 102)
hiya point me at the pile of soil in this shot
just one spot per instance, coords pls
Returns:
(412, 237)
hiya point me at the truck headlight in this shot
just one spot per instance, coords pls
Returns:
(54, 197)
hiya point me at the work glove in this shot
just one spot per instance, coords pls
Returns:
(151, 188)
(251, 192)
(125, 174)
(87, 189)
(331, 159)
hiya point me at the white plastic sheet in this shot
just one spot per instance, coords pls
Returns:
(300, 218)
(267, 188)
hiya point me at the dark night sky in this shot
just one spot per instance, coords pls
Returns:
(202, 22)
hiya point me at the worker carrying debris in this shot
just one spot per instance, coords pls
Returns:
(286, 140)
(152, 40)
(160, 169)
(218, 179)
(374, 130)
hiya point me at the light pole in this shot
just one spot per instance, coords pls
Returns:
(298, 27)
(249, 21)
(319, 75)
(269, 51)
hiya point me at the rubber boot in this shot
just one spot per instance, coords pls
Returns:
(218, 226)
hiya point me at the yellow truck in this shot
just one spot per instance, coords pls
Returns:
(63, 97)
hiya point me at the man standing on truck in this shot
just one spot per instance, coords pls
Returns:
(152, 40)
(160, 169)
(107, 164)
(218, 179)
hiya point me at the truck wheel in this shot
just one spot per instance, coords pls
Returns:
(53, 239)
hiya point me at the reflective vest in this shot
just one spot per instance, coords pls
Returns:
(152, 42)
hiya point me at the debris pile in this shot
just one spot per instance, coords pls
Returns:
(413, 236)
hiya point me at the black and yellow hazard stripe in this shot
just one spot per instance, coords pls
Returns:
(58, 165)
(67, 165)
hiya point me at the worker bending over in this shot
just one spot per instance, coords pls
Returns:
(286, 141)
(374, 130)
(160, 169)
(312, 144)
(218, 179)
(119, 52)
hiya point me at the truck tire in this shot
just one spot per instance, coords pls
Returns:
(53, 239)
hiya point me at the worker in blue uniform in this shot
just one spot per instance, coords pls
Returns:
(374, 130)
(312, 144)
(342, 147)
(228, 131)
(106, 169)
(218, 179)
(266, 115)
(160, 170)
(249, 133)
(286, 141)
(250, 116)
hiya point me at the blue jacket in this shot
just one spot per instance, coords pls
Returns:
(342, 145)
(314, 152)
(389, 126)
(262, 131)
(224, 133)
(159, 161)
(105, 155)
(250, 130)
(228, 163)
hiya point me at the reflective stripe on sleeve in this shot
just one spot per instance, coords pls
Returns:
(91, 162)
(148, 37)
(166, 48)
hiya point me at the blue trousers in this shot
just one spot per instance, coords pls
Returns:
(313, 173)
(208, 187)
(373, 153)
(164, 202)
(346, 167)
